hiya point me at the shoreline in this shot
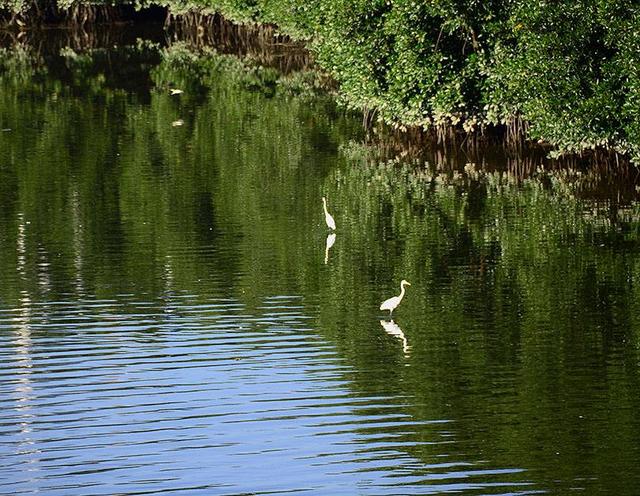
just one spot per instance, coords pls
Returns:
(264, 44)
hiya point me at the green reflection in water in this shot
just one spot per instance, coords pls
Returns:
(521, 324)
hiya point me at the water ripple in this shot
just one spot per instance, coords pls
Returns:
(111, 396)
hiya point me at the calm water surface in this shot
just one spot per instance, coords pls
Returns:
(172, 320)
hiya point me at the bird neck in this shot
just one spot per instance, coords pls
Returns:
(401, 291)
(324, 205)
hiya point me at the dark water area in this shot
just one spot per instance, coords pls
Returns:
(175, 316)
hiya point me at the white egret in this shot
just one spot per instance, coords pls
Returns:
(393, 302)
(327, 216)
(176, 91)
(331, 239)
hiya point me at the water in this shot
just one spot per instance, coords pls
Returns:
(171, 320)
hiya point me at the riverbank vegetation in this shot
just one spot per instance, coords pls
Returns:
(563, 73)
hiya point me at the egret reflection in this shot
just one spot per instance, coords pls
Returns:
(393, 329)
(331, 239)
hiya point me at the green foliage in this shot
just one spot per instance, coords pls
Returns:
(569, 69)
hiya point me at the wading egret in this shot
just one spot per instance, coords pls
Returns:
(327, 216)
(393, 302)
